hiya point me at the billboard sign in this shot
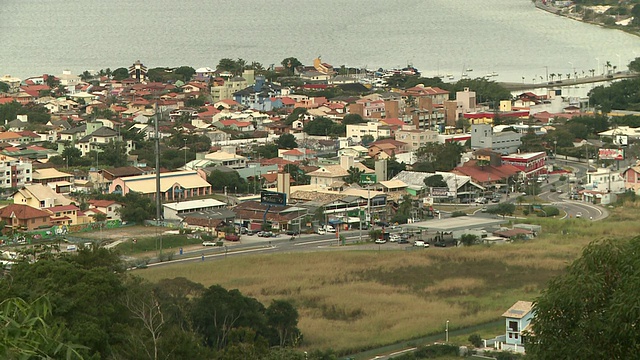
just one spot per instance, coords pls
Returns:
(439, 192)
(622, 140)
(368, 179)
(273, 198)
(611, 154)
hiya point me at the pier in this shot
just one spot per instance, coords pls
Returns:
(513, 86)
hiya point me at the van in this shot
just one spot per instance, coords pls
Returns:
(72, 248)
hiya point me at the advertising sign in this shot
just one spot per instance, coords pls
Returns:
(621, 140)
(439, 191)
(427, 201)
(611, 154)
(368, 179)
(273, 198)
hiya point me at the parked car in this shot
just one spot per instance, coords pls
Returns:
(495, 200)
(394, 237)
(232, 237)
(321, 231)
(260, 233)
(578, 215)
(293, 232)
(403, 241)
(208, 243)
(559, 191)
(419, 243)
(381, 241)
(440, 244)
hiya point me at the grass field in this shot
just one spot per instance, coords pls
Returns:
(354, 300)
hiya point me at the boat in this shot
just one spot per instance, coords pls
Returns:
(469, 69)
(450, 76)
(494, 73)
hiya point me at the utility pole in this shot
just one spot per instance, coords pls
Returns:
(158, 200)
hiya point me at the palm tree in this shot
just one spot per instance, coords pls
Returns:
(559, 76)
(86, 76)
(593, 72)
(552, 75)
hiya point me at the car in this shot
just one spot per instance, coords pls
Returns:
(484, 209)
(403, 241)
(260, 233)
(394, 238)
(495, 200)
(578, 215)
(321, 232)
(208, 243)
(559, 191)
(381, 241)
(481, 200)
(418, 243)
(232, 237)
(552, 189)
(440, 244)
(293, 232)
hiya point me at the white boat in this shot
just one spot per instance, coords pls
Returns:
(469, 69)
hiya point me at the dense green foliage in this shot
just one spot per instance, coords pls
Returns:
(323, 126)
(286, 141)
(589, 312)
(86, 306)
(438, 157)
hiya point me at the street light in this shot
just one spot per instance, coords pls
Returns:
(446, 332)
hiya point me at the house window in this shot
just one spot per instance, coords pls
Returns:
(513, 326)
(33, 221)
(510, 336)
(515, 336)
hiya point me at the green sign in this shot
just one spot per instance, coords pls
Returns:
(368, 179)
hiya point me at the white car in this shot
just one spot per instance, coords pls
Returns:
(578, 215)
(330, 229)
(394, 237)
(208, 243)
(321, 232)
(381, 241)
(419, 243)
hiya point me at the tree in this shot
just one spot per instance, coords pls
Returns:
(435, 181)
(26, 332)
(366, 140)
(589, 312)
(221, 180)
(354, 175)
(404, 210)
(287, 141)
(298, 174)
(186, 72)
(295, 115)
(438, 157)
(353, 119)
(120, 74)
(322, 126)
(503, 209)
(283, 318)
(72, 156)
(86, 76)
(290, 64)
(267, 151)
(4, 87)
(114, 154)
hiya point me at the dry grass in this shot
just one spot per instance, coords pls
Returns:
(352, 300)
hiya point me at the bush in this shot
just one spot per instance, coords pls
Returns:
(562, 178)
(458, 214)
(434, 351)
(475, 340)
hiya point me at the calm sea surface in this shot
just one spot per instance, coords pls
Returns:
(509, 37)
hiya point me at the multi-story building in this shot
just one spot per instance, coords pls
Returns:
(14, 173)
(232, 85)
(416, 139)
(375, 129)
(483, 137)
(531, 164)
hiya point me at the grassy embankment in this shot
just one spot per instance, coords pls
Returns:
(354, 300)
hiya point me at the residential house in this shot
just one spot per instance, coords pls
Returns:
(259, 96)
(416, 139)
(176, 185)
(39, 196)
(59, 181)
(226, 90)
(108, 207)
(224, 158)
(356, 151)
(24, 217)
(97, 138)
(518, 321)
(386, 148)
(373, 128)
(73, 134)
(63, 214)
(328, 174)
(296, 155)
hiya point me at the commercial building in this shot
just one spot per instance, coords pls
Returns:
(531, 164)
(416, 139)
(175, 185)
(177, 210)
(483, 137)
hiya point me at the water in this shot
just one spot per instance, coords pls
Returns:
(510, 37)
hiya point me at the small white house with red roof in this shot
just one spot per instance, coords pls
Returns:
(107, 207)
(296, 155)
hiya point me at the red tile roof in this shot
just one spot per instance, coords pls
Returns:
(22, 212)
(101, 203)
(63, 208)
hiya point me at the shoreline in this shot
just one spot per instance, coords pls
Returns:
(558, 12)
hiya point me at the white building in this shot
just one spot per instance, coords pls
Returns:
(172, 211)
(14, 173)
(375, 129)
